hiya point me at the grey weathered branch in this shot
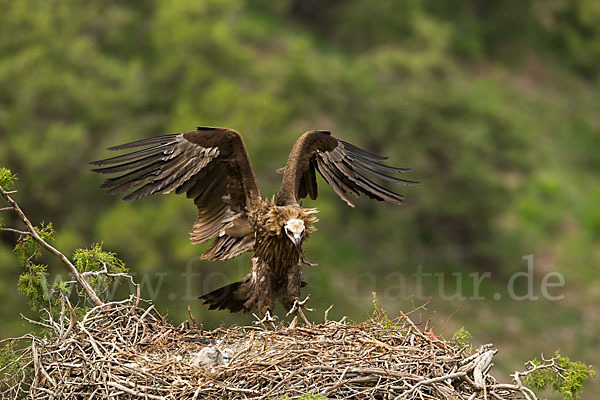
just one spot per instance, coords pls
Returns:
(34, 234)
(14, 231)
(528, 393)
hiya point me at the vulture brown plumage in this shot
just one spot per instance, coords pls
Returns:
(212, 167)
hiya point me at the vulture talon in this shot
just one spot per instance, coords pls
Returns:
(299, 306)
(267, 318)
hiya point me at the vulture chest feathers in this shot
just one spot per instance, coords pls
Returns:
(276, 265)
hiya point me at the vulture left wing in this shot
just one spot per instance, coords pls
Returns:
(211, 165)
(344, 166)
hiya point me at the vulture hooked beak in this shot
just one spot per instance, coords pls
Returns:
(297, 240)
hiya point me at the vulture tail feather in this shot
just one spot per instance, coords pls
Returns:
(230, 297)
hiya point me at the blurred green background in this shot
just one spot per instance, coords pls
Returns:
(495, 106)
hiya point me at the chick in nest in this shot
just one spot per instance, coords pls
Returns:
(211, 356)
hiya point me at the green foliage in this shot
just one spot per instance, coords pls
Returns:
(378, 310)
(28, 249)
(13, 366)
(569, 382)
(462, 336)
(8, 360)
(95, 258)
(33, 285)
(576, 33)
(379, 314)
(7, 178)
(33, 282)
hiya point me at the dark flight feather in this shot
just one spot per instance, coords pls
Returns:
(144, 142)
(375, 164)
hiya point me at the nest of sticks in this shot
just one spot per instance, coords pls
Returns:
(126, 351)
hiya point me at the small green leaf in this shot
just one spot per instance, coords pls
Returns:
(95, 259)
(7, 178)
(462, 336)
(9, 359)
(33, 285)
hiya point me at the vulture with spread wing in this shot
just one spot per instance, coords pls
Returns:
(212, 167)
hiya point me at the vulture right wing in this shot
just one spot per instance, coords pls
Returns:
(211, 165)
(344, 166)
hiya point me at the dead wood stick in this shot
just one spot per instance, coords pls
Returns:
(413, 326)
(14, 231)
(429, 381)
(134, 392)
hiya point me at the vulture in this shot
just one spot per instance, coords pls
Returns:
(211, 166)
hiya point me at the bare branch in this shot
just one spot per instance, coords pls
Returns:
(326, 315)
(31, 230)
(15, 231)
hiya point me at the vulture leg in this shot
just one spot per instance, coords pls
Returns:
(292, 285)
(262, 293)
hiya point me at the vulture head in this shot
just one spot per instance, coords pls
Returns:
(294, 229)
(294, 222)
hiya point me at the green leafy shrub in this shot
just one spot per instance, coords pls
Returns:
(462, 336)
(94, 259)
(569, 382)
(102, 268)
(33, 282)
(7, 178)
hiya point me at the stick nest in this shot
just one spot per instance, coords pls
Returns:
(121, 350)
